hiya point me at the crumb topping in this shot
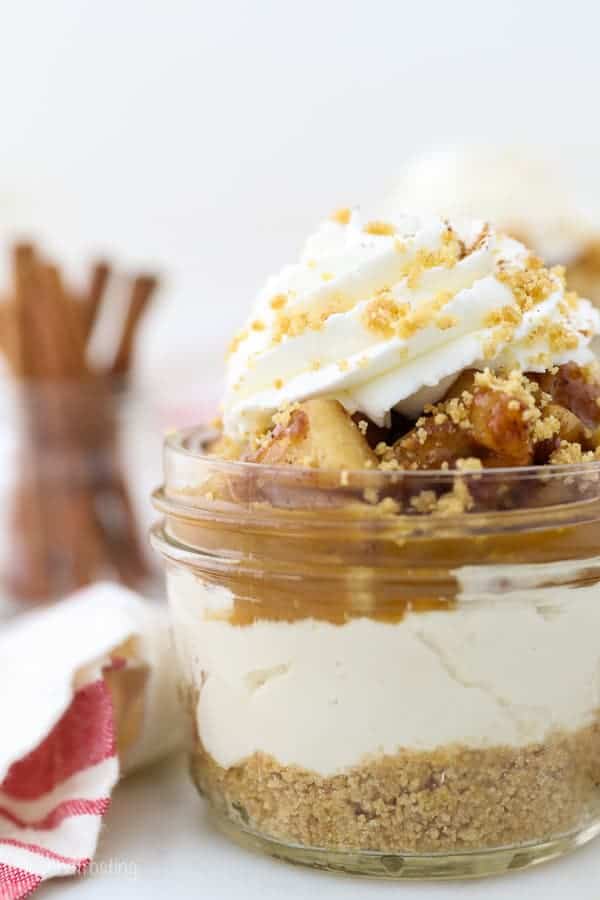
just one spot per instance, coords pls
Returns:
(236, 341)
(294, 323)
(469, 464)
(447, 256)
(530, 285)
(342, 216)
(452, 503)
(571, 453)
(388, 317)
(379, 228)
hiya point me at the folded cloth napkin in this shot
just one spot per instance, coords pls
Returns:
(88, 693)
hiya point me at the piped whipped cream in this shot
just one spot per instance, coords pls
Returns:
(386, 315)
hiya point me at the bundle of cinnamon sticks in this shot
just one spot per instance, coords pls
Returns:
(72, 519)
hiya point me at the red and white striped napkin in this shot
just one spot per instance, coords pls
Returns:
(59, 720)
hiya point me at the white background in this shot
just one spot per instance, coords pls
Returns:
(206, 139)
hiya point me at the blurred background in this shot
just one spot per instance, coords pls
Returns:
(206, 139)
(203, 141)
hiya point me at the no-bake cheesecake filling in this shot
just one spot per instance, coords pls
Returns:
(397, 650)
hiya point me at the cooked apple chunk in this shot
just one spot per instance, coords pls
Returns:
(474, 421)
(572, 428)
(574, 388)
(432, 445)
(318, 433)
(499, 425)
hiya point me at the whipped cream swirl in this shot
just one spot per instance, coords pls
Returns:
(386, 316)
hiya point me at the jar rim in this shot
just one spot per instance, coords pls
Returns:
(235, 493)
(178, 443)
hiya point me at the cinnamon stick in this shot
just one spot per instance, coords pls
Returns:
(72, 516)
(92, 302)
(79, 548)
(29, 573)
(141, 294)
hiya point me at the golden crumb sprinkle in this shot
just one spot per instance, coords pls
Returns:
(456, 501)
(456, 410)
(278, 384)
(446, 322)
(363, 426)
(342, 216)
(561, 338)
(501, 335)
(343, 365)
(327, 276)
(529, 286)
(278, 301)
(388, 506)
(545, 429)
(446, 256)
(424, 502)
(389, 464)
(506, 315)
(391, 318)
(459, 500)
(257, 325)
(380, 228)
(514, 383)
(236, 341)
(570, 454)
(297, 322)
(469, 464)
(382, 314)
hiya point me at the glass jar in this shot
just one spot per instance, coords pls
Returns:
(388, 673)
(78, 460)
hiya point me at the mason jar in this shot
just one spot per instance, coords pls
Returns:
(388, 673)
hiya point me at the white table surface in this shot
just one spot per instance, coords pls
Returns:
(158, 843)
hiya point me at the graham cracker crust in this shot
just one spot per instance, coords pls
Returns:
(450, 799)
